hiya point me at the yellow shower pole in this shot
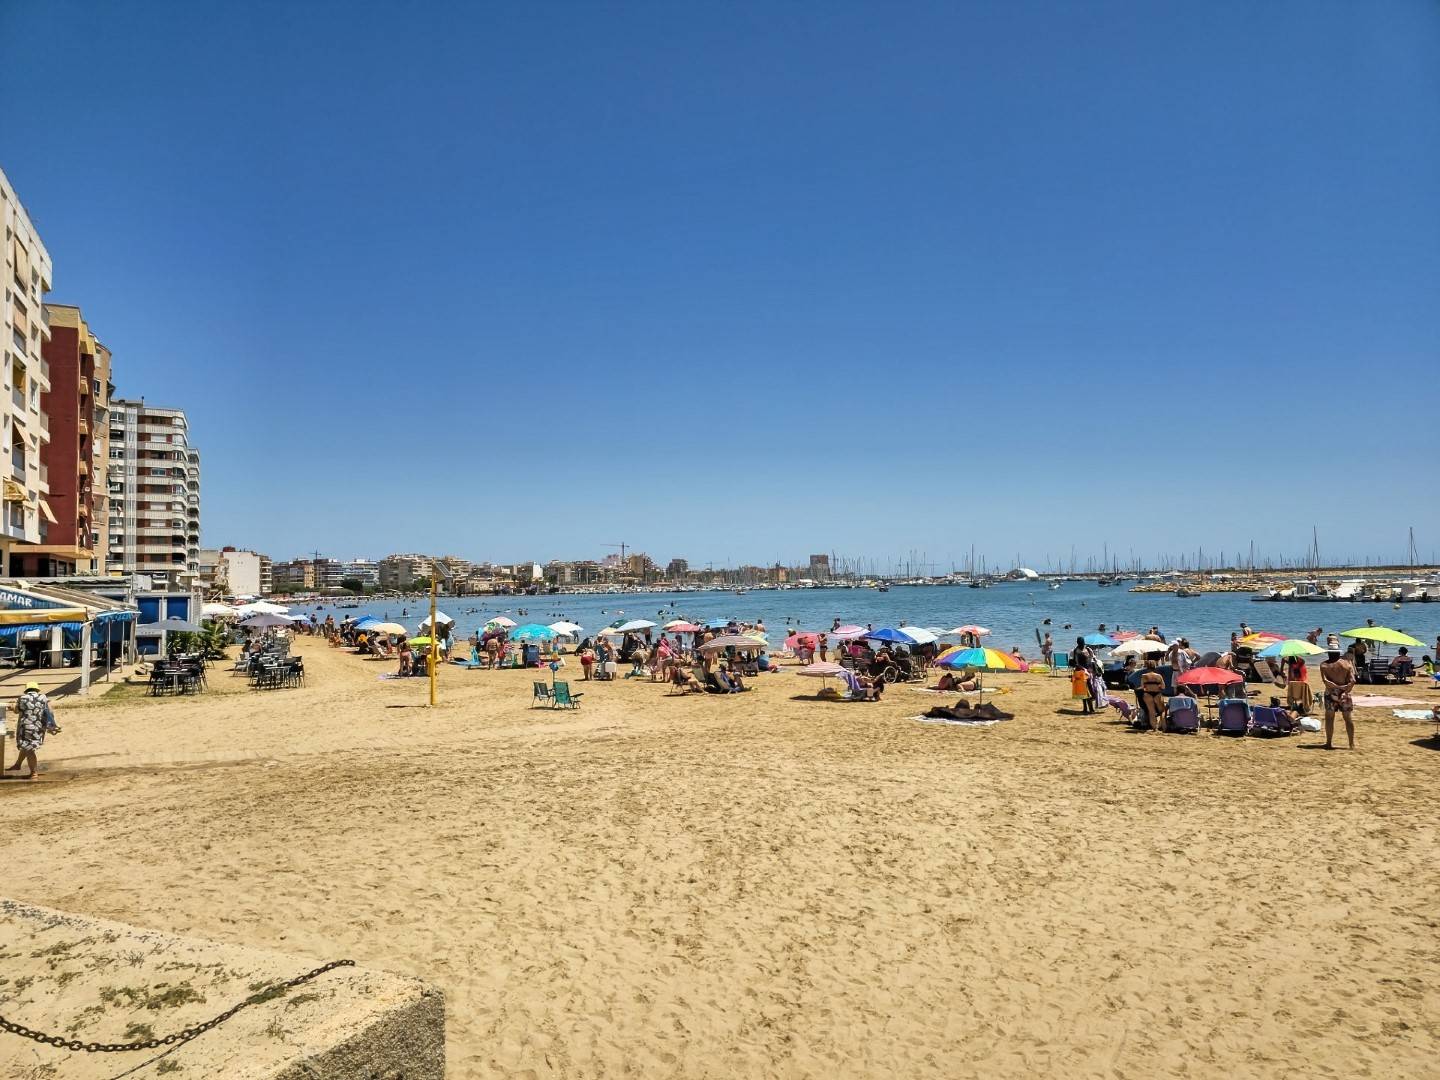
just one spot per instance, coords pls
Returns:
(434, 640)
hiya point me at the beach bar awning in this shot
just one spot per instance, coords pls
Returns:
(32, 618)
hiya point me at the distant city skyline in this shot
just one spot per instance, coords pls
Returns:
(528, 281)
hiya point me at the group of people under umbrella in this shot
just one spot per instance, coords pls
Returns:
(1218, 678)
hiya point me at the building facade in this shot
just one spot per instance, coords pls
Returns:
(399, 573)
(73, 460)
(24, 330)
(153, 484)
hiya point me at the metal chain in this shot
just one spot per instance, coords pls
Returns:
(178, 1037)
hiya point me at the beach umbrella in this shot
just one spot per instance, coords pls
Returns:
(441, 619)
(980, 659)
(566, 629)
(1125, 635)
(889, 633)
(383, 628)
(423, 641)
(635, 624)
(532, 632)
(718, 624)
(1291, 647)
(969, 628)
(1209, 676)
(364, 621)
(1383, 635)
(1258, 639)
(262, 607)
(176, 626)
(734, 641)
(265, 622)
(847, 631)
(805, 637)
(1103, 641)
(822, 670)
(610, 631)
(217, 611)
(1139, 647)
(501, 620)
(680, 626)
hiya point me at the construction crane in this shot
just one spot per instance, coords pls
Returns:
(621, 546)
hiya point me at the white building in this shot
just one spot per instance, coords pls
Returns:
(24, 327)
(154, 486)
(243, 572)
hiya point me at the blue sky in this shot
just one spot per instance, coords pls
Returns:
(742, 282)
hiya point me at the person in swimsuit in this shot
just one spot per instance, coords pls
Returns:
(1338, 675)
(1152, 695)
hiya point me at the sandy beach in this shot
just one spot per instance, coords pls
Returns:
(756, 885)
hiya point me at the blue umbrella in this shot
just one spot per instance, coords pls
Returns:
(890, 633)
(716, 624)
(532, 632)
(363, 621)
(1103, 640)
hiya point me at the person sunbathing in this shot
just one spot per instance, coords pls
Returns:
(963, 710)
(965, 682)
(684, 680)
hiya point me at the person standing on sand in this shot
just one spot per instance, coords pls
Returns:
(1152, 694)
(1047, 649)
(1338, 675)
(33, 719)
(822, 643)
(1080, 661)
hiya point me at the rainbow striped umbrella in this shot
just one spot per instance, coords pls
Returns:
(979, 659)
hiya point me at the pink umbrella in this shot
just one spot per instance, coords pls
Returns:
(683, 628)
(824, 669)
(848, 631)
(809, 639)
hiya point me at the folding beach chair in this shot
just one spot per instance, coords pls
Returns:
(1234, 717)
(1269, 720)
(1060, 663)
(542, 695)
(1182, 715)
(561, 698)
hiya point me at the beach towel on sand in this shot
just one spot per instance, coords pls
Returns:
(955, 723)
(1413, 714)
(1381, 701)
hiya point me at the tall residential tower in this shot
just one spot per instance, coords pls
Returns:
(24, 330)
(154, 490)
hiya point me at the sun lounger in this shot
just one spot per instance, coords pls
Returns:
(1234, 717)
(1182, 715)
(1268, 720)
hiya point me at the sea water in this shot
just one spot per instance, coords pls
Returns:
(1014, 611)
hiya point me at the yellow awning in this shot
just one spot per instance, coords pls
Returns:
(16, 616)
(49, 514)
(13, 492)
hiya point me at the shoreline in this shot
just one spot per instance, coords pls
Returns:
(764, 884)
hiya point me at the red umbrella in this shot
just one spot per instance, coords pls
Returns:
(1209, 676)
(1125, 635)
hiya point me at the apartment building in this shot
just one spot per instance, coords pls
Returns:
(77, 408)
(24, 330)
(153, 483)
(398, 573)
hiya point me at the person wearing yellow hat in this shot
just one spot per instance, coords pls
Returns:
(34, 718)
